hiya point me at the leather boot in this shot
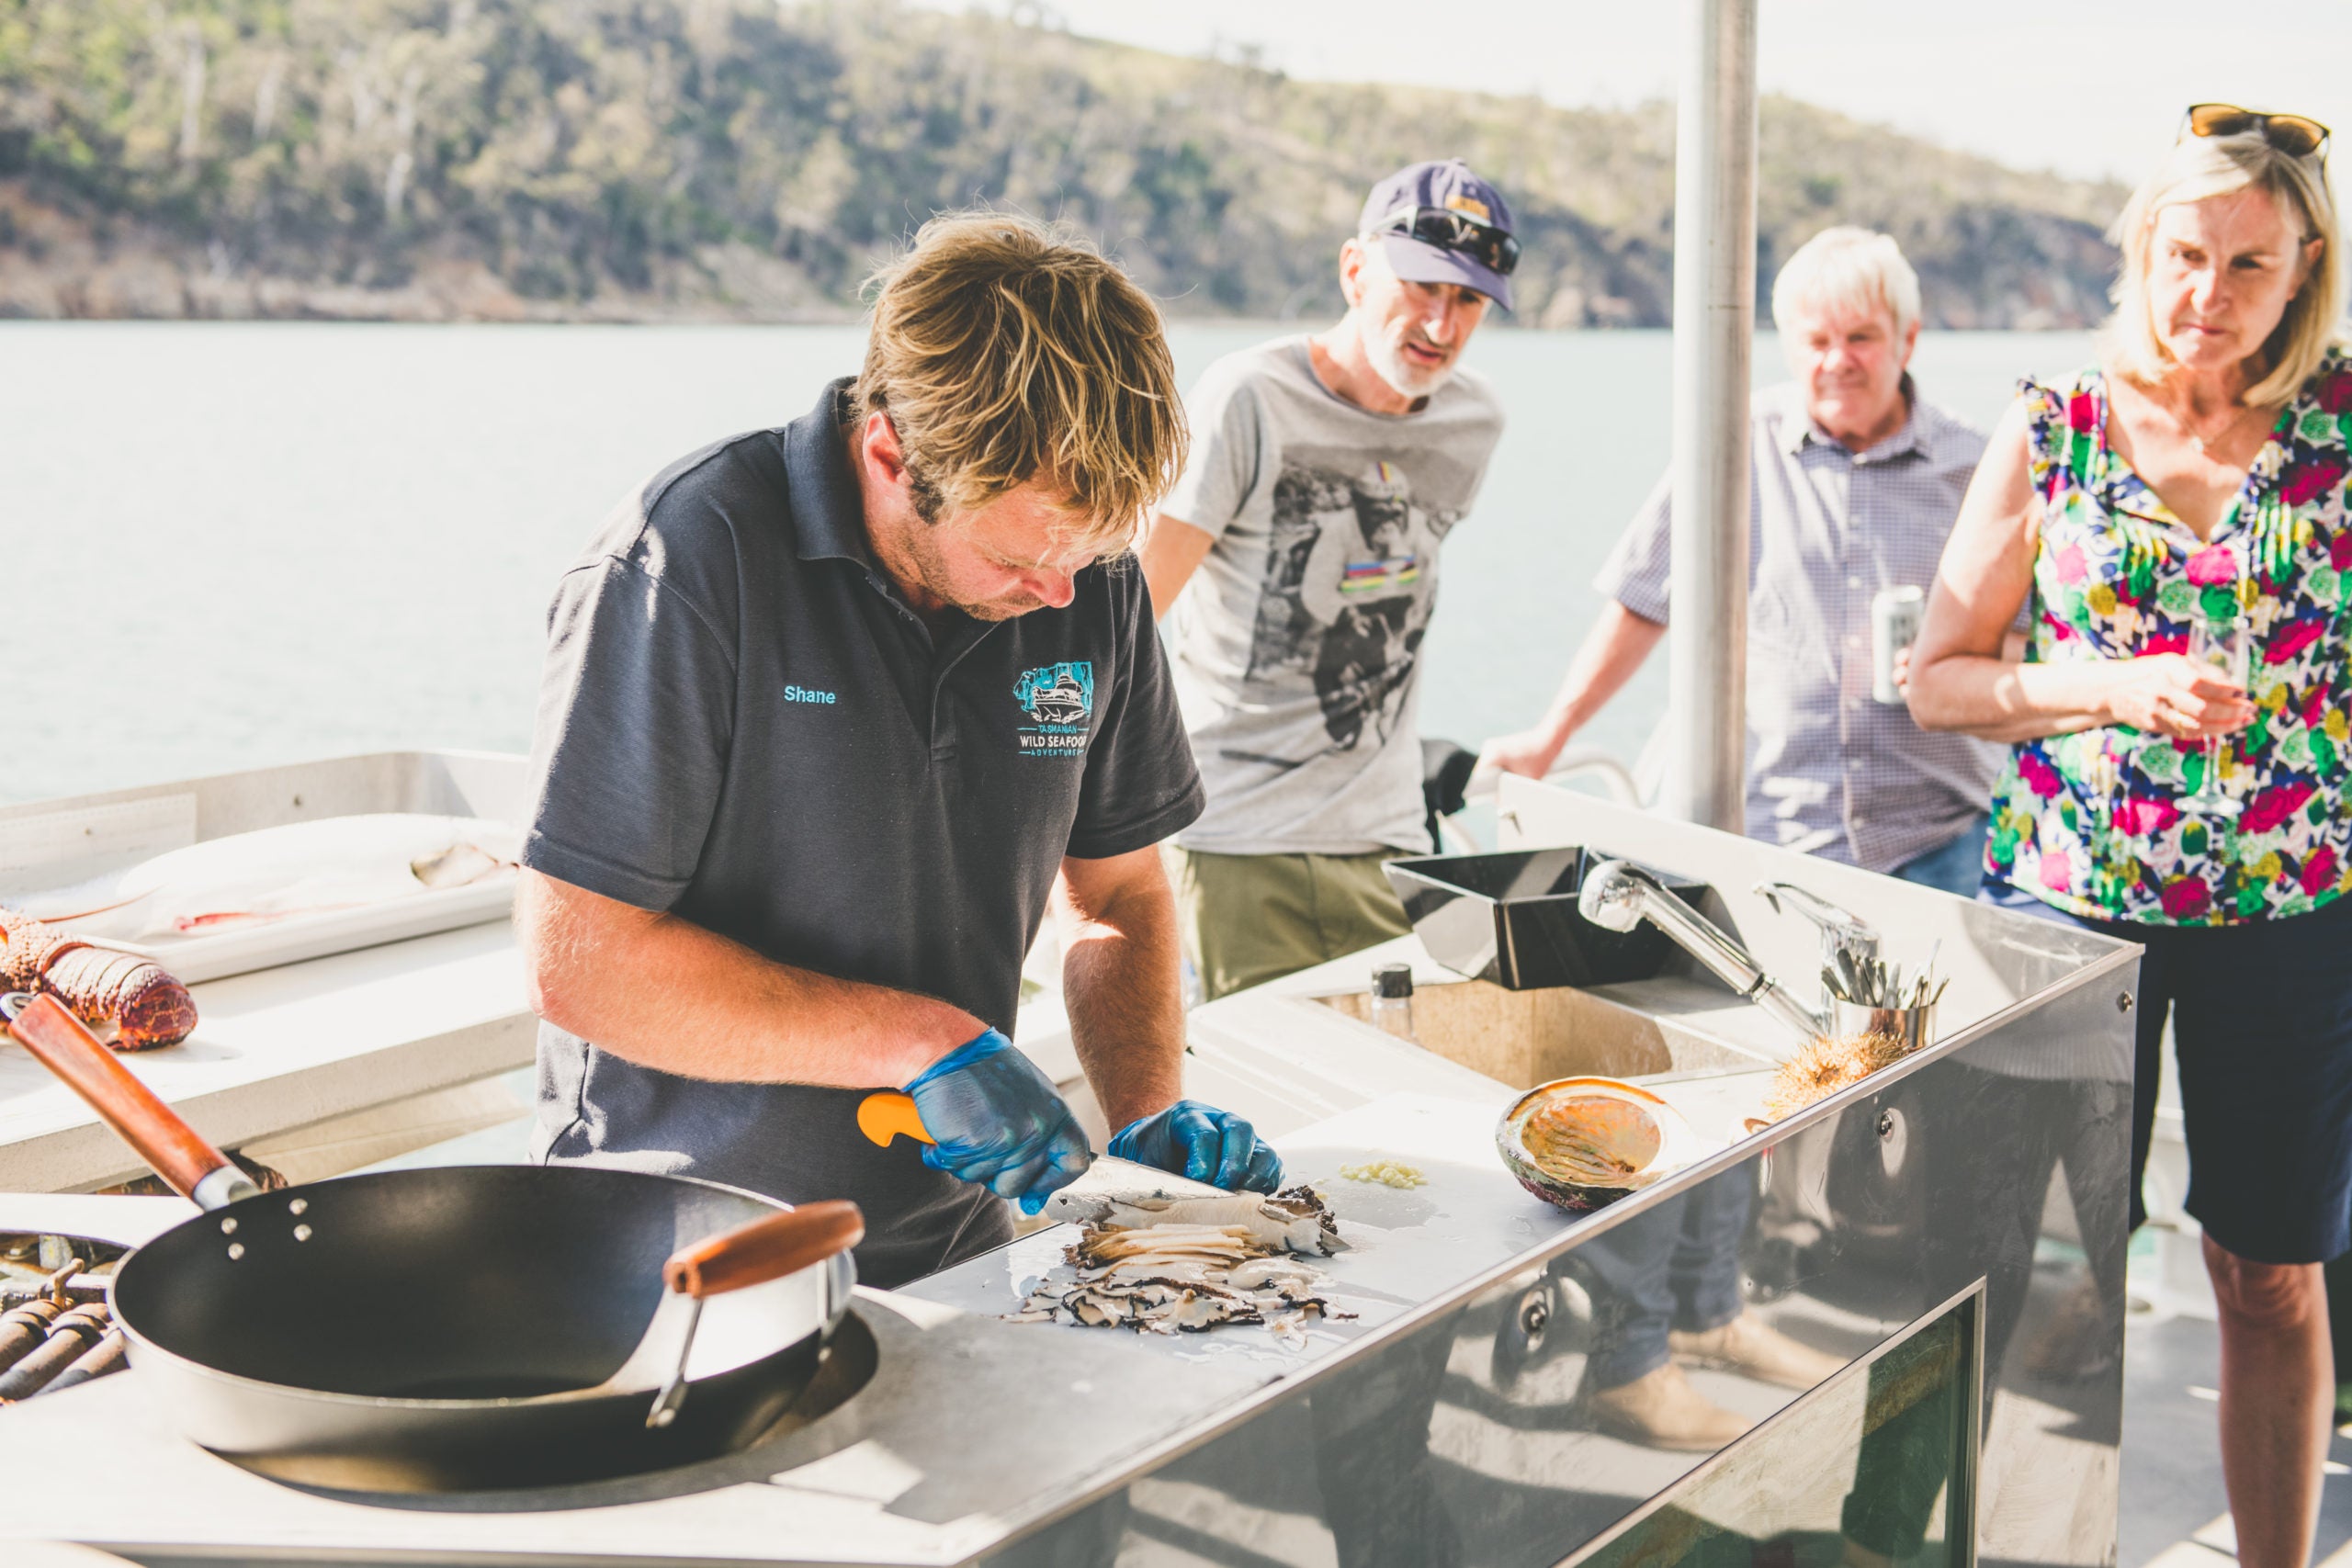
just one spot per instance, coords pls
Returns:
(1747, 1346)
(1661, 1410)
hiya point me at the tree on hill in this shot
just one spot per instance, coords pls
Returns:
(649, 157)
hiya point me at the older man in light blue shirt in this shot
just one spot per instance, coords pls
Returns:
(1855, 479)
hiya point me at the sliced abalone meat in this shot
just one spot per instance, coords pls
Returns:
(1584, 1143)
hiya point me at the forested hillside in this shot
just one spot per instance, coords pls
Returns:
(735, 159)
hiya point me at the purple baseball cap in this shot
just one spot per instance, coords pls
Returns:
(1448, 186)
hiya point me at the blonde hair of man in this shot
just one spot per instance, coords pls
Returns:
(1005, 351)
(1848, 270)
(2202, 166)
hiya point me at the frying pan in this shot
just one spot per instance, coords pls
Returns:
(452, 1329)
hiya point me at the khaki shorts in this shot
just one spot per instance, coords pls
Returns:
(1250, 919)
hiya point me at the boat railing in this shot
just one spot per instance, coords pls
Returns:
(1637, 784)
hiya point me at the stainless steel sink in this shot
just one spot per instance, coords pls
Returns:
(1524, 1038)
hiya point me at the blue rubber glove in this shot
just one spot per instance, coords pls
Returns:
(1203, 1143)
(998, 1123)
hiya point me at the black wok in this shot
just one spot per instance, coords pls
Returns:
(449, 1329)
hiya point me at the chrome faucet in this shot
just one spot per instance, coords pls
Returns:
(1847, 940)
(1619, 897)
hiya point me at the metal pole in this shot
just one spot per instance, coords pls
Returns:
(1714, 319)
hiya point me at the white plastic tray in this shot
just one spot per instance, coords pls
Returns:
(218, 955)
(52, 843)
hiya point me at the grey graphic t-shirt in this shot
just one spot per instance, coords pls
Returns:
(1296, 644)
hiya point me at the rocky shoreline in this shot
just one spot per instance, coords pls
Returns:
(57, 265)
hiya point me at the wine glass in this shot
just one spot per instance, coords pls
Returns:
(2222, 649)
(2107, 839)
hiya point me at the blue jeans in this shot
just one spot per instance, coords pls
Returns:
(1675, 1267)
(1958, 867)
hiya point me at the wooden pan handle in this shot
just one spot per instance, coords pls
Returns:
(764, 1250)
(178, 1153)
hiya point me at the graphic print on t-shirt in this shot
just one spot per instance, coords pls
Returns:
(1348, 589)
(1059, 698)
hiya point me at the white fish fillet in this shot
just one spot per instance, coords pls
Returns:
(336, 863)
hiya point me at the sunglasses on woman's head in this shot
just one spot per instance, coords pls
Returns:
(2293, 134)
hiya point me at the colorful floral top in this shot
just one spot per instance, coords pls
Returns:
(2092, 823)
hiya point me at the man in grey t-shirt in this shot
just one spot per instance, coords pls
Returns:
(1295, 565)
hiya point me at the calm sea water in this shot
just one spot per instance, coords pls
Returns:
(227, 544)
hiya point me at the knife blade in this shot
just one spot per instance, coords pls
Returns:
(1849, 973)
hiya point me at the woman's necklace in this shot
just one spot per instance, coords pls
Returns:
(2205, 443)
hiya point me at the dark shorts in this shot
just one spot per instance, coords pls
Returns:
(2262, 1036)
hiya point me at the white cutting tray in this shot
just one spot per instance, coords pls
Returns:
(55, 848)
(219, 955)
(1404, 1246)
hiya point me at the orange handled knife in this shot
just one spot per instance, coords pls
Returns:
(886, 1114)
(883, 1116)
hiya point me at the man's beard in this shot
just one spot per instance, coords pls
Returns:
(1405, 377)
(931, 570)
(1001, 609)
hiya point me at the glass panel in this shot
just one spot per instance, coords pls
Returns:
(1874, 1467)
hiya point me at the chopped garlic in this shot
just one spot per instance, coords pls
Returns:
(1387, 1172)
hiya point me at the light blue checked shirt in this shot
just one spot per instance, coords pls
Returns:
(1829, 770)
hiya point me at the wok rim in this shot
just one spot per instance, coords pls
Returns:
(568, 1398)
(141, 1345)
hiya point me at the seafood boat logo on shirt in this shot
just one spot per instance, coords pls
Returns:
(1059, 698)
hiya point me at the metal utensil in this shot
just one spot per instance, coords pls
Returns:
(1914, 1026)
(1845, 936)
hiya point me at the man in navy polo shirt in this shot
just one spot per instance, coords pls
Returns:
(831, 715)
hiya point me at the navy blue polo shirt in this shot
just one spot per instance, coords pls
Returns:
(743, 723)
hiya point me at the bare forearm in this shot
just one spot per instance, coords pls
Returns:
(1995, 699)
(1172, 550)
(1608, 657)
(1127, 1016)
(666, 993)
(1962, 676)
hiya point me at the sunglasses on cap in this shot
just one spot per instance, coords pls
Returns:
(1451, 230)
(2293, 134)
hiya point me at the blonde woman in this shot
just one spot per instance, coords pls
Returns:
(2176, 515)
